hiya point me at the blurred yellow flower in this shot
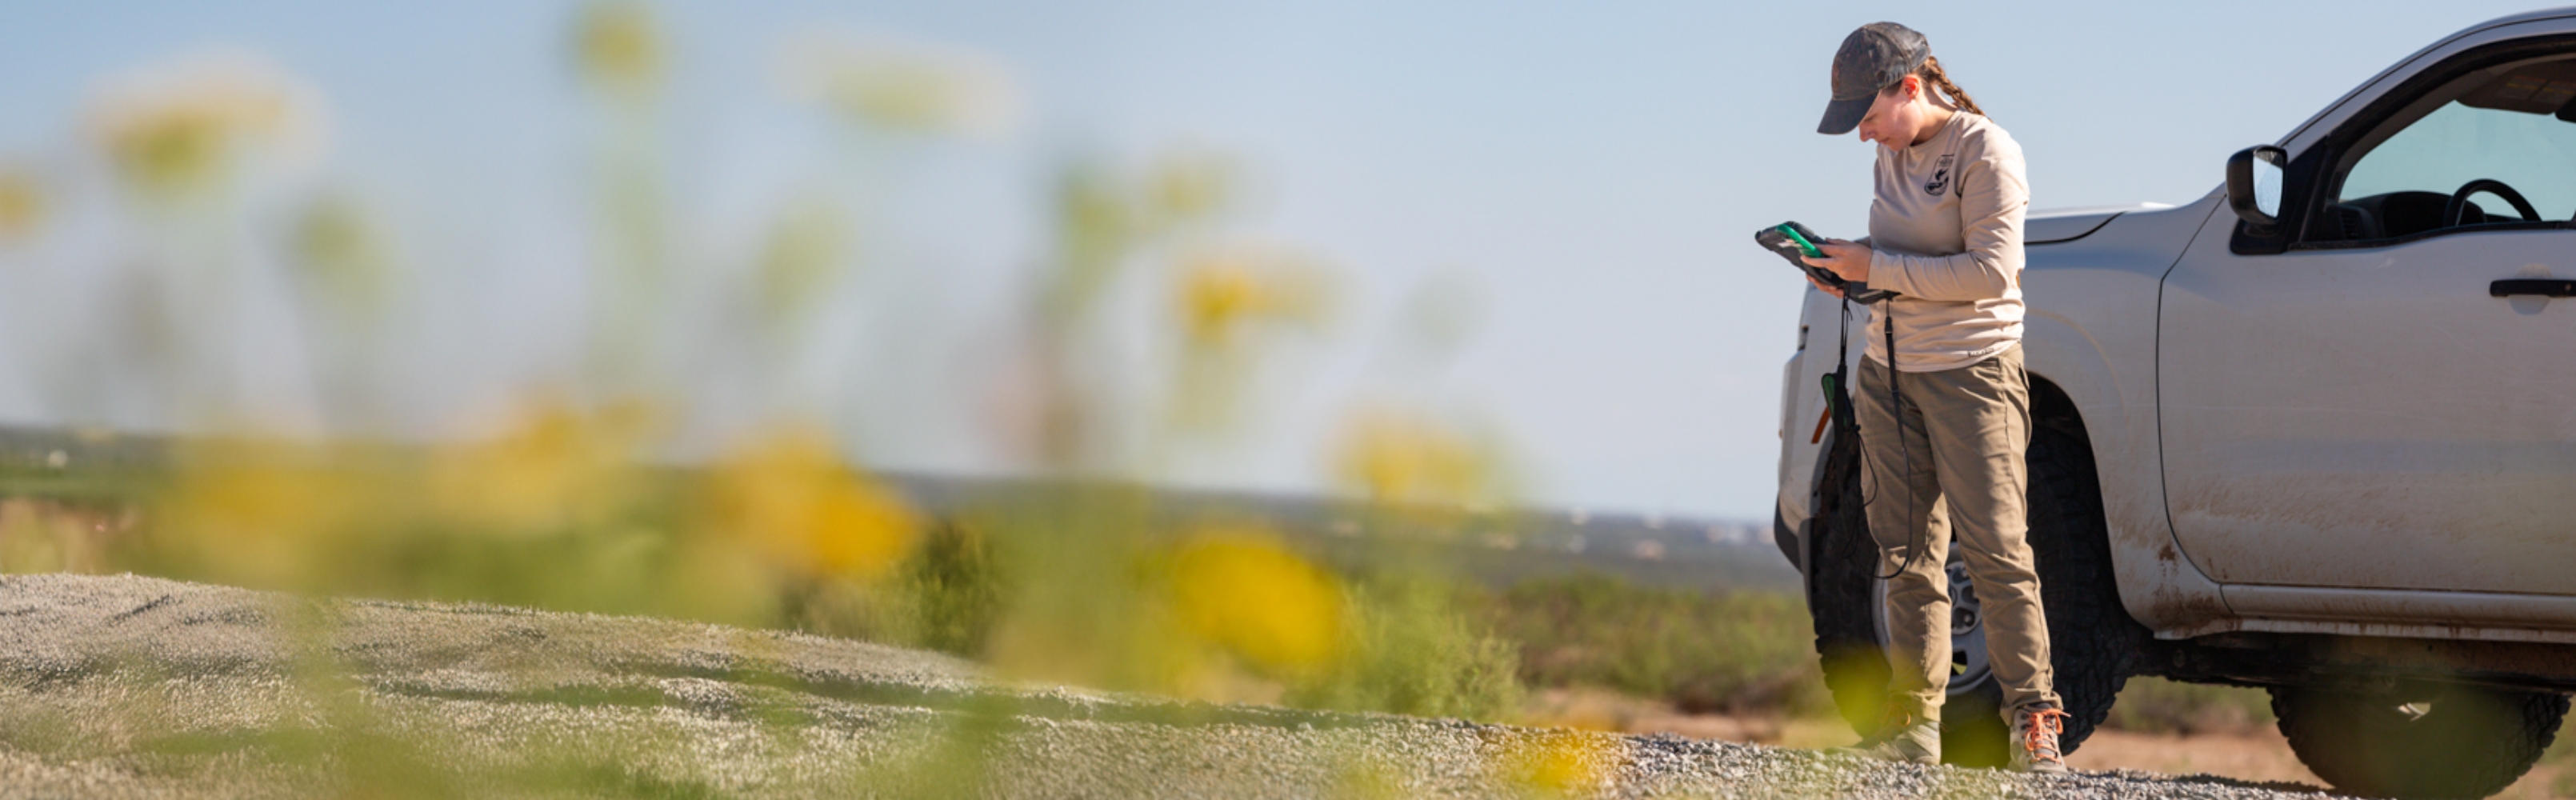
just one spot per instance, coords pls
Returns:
(1232, 303)
(1216, 297)
(1241, 590)
(22, 204)
(1225, 291)
(1390, 457)
(256, 517)
(1561, 765)
(177, 128)
(618, 45)
(790, 496)
(902, 86)
(551, 468)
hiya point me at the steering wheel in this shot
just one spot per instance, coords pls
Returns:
(2459, 205)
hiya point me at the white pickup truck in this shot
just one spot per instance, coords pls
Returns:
(2315, 432)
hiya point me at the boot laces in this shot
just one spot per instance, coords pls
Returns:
(1897, 717)
(2040, 729)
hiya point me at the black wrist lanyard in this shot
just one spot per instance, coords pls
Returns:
(1847, 419)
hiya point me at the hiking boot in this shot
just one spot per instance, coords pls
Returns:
(2035, 728)
(1903, 737)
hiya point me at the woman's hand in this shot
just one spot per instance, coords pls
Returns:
(1844, 258)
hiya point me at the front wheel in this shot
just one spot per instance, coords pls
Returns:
(2441, 742)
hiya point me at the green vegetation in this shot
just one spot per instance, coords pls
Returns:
(2562, 756)
(1703, 652)
(2156, 705)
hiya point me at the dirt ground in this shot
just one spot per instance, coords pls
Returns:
(2259, 754)
(132, 687)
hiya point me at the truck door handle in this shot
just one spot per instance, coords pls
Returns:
(2531, 286)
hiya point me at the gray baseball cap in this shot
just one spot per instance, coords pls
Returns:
(1873, 58)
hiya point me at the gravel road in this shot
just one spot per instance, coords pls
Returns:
(138, 687)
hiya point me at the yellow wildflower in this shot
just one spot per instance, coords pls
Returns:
(179, 128)
(618, 45)
(789, 495)
(1225, 291)
(1395, 458)
(22, 205)
(1241, 590)
(550, 469)
(1561, 765)
(1216, 297)
(902, 86)
(255, 518)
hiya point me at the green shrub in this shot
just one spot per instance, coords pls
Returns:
(1735, 652)
(2155, 705)
(1418, 652)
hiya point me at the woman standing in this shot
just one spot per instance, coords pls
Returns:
(1943, 431)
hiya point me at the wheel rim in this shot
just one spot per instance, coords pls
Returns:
(1969, 668)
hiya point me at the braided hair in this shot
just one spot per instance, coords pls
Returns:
(1931, 73)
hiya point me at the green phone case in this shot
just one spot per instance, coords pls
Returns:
(1791, 231)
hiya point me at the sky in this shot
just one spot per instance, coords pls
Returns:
(1586, 176)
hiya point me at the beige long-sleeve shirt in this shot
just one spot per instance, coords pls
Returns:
(1945, 232)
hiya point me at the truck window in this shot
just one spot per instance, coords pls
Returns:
(2515, 125)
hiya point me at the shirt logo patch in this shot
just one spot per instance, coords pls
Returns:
(1940, 178)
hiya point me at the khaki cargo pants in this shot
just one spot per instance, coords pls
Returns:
(1955, 466)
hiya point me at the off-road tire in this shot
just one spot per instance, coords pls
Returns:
(2469, 742)
(1840, 601)
(2094, 645)
(2093, 642)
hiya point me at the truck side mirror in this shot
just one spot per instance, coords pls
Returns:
(2254, 184)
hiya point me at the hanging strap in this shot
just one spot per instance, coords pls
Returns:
(1837, 383)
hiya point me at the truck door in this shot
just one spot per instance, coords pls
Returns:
(2361, 409)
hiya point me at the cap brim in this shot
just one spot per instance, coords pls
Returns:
(1841, 116)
